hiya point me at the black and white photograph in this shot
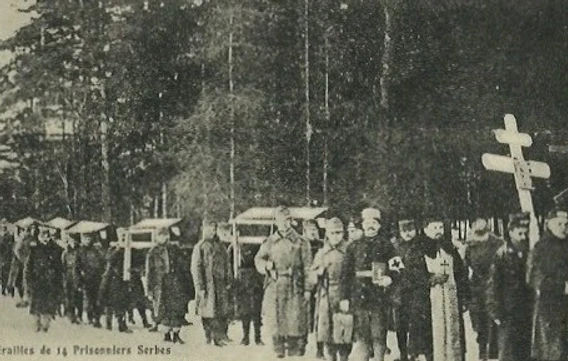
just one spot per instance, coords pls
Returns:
(257, 180)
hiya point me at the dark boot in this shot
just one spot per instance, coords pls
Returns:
(279, 346)
(122, 327)
(97, 323)
(257, 335)
(168, 337)
(153, 328)
(319, 351)
(177, 339)
(246, 332)
(108, 320)
(294, 346)
(145, 322)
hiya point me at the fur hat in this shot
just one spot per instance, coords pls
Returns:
(518, 220)
(333, 224)
(371, 213)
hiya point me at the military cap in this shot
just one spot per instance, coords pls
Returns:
(557, 213)
(371, 213)
(310, 223)
(480, 226)
(334, 224)
(406, 224)
(518, 220)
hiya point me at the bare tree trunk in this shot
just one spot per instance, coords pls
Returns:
(307, 97)
(156, 206)
(386, 58)
(164, 200)
(107, 212)
(327, 121)
(232, 116)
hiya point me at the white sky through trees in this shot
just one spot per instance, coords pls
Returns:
(11, 20)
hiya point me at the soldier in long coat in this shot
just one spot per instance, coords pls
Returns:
(72, 282)
(311, 233)
(44, 279)
(326, 275)
(248, 293)
(16, 277)
(114, 292)
(480, 251)
(169, 285)
(367, 274)
(91, 264)
(212, 277)
(285, 259)
(509, 297)
(6, 254)
(548, 276)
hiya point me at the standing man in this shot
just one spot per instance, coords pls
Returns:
(548, 276)
(169, 285)
(72, 281)
(438, 280)
(509, 297)
(6, 254)
(481, 247)
(20, 261)
(91, 265)
(354, 230)
(285, 259)
(366, 278)
(326, 274)
(312, 235)
(403, 245)
(212, 277)
(43, 276)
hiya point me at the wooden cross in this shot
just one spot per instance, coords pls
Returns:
(523, 170)
(444, 265)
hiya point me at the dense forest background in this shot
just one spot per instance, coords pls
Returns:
(117, 110)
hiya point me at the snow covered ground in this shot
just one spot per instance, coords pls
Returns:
(17, 333)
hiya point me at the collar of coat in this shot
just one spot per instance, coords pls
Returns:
(290, 235)
(341, 247)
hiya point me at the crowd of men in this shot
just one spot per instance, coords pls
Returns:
(349, 288)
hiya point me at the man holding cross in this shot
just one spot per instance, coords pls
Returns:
(438, 280)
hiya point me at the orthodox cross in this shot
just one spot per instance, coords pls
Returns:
(524, 170)
(445, 264)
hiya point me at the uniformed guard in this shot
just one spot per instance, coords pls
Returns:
(91, 264)
(72, 281)
(311, 233)
(6, 253)
(366, 277)
(509, 297)
(285, 259)
(326, 274)
(548, 276)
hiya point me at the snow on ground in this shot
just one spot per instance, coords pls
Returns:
(17, 329)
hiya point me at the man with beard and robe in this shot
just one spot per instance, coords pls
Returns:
(366, 277)
(212, 276)
(403, 245)
(509, 297)
(312, 235)
(169, 285)
(43, 276)
(285, 259)
(481, 247)
(438, 280)
(548, 276)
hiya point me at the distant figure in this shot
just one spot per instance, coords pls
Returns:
(482, 245)
(6, 254)
(548, 276)
(16, 277)
(72, 281)
(114, 292)
(91, 264)
(311, 233)
(43, 277)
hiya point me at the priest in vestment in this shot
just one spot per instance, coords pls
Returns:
(439, 289)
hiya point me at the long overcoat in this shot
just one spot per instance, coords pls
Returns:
(249, 284)
(44, 278)
(114, 291)
(284, 306)
(211, 271)
(168, 284)
(327, 288)
(548, 274)
(19, 260)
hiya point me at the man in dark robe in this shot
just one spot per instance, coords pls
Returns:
(481, 247)
(438, 280)
(72, 281)
(285, 259)
(169, 285)
(43, 276)
(509, 297)
(548, 276)
(403, 245)
(212, 277)
(366, 276)
(6, 254)
(91, 263)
